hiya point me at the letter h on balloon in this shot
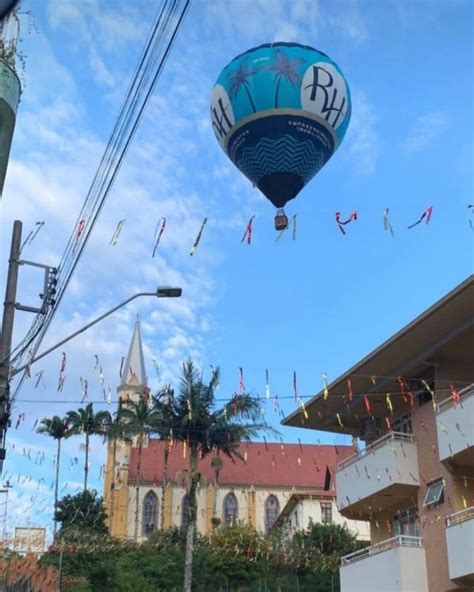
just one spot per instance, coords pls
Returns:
(218, 119)
(328, 105)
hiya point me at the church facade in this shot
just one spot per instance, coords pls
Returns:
(252, 491)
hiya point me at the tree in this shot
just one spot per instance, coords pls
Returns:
(202, 428)
(85, 421)
(83, 511)
(239, 79)
(139, 419)
(57, 428)
(284, 68)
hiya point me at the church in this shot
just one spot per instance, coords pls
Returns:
(258, 490)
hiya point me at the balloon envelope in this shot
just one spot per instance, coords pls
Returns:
(280, 111)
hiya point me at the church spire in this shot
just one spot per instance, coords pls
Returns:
(134, 373)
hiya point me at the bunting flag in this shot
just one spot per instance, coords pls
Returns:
(156, 367)
(62, 378)
(241, 381)
(471, 211)
(367, 405)
(303, 409)
(341, 223)
(349, 388)
(389, 403)
(32, 235)
(39, 378)
(267, 385)
(426, 215)
(293, 221)
(80, 229)
(386, 223)
(295, 388)
(121, 367)
(84, 387)
(117, 231)
(198, 238)
(388, 424)
(160, 228)
(406, 392)
(338, 417)
(248, 232)
(431, 391)
(326, 388)
(97, 362)
(455, 396)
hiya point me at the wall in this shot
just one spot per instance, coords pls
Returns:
(310, 510)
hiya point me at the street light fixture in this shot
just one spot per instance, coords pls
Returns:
(161, 292)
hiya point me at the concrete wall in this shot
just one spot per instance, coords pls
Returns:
(400, 569)
(310, 510)
(456, 427)
(393, 463)
(460, 541)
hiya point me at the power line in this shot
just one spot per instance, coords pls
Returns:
(165, 28)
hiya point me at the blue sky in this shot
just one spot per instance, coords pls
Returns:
(315, 305)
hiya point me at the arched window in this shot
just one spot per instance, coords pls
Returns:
(185, 512)
(272, 509)
(150, 513)
(231, 509)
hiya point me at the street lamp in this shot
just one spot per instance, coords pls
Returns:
(161, 292)
(8, 373)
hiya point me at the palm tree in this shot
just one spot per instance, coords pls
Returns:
(57, 428)
(139, 419)
(85, 421)
(285, 68)
(195, 420)
(239, 79)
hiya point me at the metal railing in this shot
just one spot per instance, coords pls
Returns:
(449, 402)
(371, 448)
(459, 517)
(401, 540)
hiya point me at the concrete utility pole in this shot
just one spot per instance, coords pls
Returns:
(7, 334)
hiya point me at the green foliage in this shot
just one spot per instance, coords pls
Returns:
(236, 558)
(81, 512)
(56, 427)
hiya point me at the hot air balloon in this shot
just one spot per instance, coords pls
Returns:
(279, 112)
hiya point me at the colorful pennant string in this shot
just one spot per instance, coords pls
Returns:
(389, 403)
(80, 229)
(386, 223)
(326, 387)
(198, 238)
(117, 231)
(241, 381)
(267, 385)
(31, 235)
(455, 396)
(121, 367)
(367, 405)
(349, 388)
(248, 232)
(341, 223)
(295, 388)
(431, 391)
(426, 215)
(160, 228)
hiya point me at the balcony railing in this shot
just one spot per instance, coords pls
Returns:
(464, 394)
(398, 541)
(459, 517)
(371, 448)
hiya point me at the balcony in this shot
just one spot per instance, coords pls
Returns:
(455, 425)
(460, 542)
(382, 475)
(395, 565)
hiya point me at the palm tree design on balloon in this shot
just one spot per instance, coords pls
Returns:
(239, 79)
(285, 68)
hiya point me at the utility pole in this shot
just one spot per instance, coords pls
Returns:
(7, 334)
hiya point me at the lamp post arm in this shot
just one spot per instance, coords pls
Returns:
(76, 333)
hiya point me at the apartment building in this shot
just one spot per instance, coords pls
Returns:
(411, 403)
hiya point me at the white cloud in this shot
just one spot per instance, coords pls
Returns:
(361, 145)
(427, 128)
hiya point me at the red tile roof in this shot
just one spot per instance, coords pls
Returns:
(267, 465)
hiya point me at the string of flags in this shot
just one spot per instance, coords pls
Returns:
(247, 236)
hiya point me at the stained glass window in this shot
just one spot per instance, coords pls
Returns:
(231, 509)
(272, 509)
(150, 513)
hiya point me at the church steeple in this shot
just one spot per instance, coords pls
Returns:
(134, 369)
(134, 379)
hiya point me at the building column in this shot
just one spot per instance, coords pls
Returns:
(168, 507)
(252, 507)
(210, 504)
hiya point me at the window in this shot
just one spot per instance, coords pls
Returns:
(231, 510)
(150, 513)
(434, 494)
(185, 512)
(402, 424)
(326, 512)
(272, 509)
(406, 523)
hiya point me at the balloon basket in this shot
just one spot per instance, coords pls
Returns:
(281, 221)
